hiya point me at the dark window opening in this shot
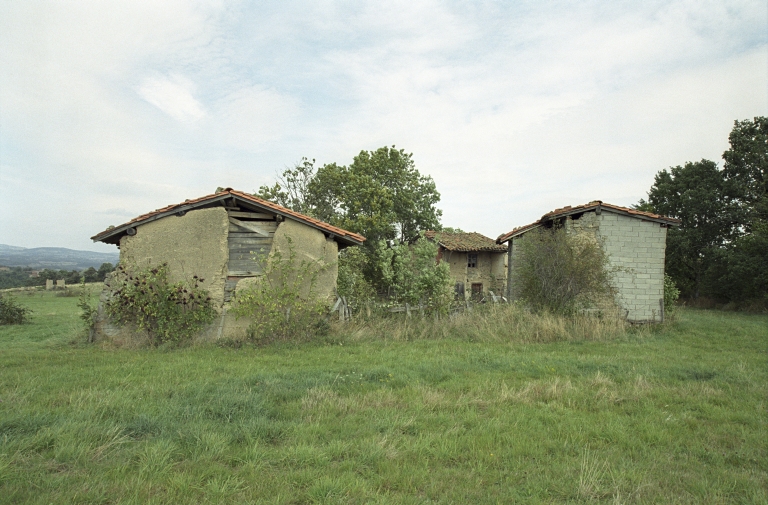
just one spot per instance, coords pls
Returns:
(471, 260)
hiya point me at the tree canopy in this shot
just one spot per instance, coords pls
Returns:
(381, 195)
(720, 250)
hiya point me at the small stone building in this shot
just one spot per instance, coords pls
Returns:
(224, 238)
(477, 263)
(635, 242)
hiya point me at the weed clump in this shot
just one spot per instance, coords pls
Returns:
(11, 312)
(88, 312)
(166, 311)
(283, 304)
(511, 322)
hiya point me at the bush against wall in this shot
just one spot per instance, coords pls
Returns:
(409, 273)
(561, 272)
(12, 312)
(166, 311)
(671, 294)
(283, 304)
(351, 282)
(418, 277)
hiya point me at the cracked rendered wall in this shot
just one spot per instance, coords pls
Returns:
(309, 245)
(193, 244)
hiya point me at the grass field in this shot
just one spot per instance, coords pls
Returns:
(671, 415)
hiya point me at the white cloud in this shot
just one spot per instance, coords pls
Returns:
(513, 108)
(252, 117)
(173, 95)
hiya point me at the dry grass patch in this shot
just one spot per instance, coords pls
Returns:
(489, 323)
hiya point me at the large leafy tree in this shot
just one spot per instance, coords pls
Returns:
(292, 188)
(386, 198)
(380, 195)
(746, 170)
(720, 249)
(693, 193)
(742, 272)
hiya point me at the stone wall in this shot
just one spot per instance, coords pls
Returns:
(490, 271)
(513, 246)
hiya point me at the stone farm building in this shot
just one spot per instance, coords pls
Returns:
(215, 236)
(477, 263)
(635, 242)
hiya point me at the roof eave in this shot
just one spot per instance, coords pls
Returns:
(113, 236)
(609, 208)
(117, 232)
(348, 240)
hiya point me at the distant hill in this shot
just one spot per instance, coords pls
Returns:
(55, 258)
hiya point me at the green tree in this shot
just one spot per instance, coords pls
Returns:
(746, 170)
(90, 275)
(381, 195)
(721, 248)
(741, 272)
(387, 198)
(412, 274)
(104, 269)
(695, 194)
(292, 188)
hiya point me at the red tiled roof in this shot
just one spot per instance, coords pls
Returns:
(568, 210)
(114, 233)
(464, 242)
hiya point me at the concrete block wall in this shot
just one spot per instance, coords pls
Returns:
(637, 248)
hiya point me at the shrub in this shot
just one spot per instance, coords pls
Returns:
(671, 294)
(88, 312)
(419, 279)
(351, 281)
(561, 272)
(283, 303)
(167, 312)
(11, 312)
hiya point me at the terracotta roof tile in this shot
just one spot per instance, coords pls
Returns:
(266, 204)
(464, 242)
(583, 208)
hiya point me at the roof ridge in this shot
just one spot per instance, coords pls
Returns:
(585, 207)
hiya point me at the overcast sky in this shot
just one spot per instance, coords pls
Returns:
(112, 109)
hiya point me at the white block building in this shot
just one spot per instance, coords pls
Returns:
(635, 242)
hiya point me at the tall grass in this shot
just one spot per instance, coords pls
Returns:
(488, 323)
(677, 416)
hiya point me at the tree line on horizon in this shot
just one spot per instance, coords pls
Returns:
(16, 277)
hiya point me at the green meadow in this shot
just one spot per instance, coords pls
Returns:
(675, 414)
